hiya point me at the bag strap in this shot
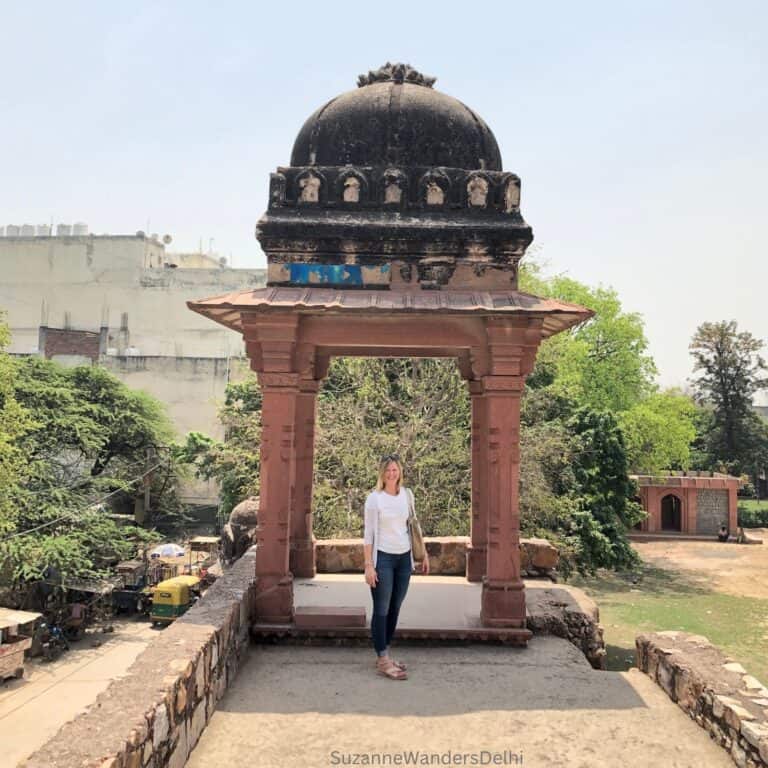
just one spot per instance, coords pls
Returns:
(411, 505)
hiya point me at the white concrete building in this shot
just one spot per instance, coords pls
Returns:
(120, 301)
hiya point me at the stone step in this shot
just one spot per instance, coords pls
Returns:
(324, 617)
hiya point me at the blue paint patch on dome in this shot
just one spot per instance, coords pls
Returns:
(337, 274)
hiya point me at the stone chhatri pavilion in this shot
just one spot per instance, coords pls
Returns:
(395, 232)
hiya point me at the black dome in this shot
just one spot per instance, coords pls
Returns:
(395, 118)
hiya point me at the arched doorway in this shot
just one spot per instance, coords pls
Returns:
(671, 513)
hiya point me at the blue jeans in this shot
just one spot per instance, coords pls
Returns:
(394, 573)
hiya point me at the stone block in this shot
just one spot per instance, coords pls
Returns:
(687, 688)
(183, 667)
(160, 727)
(196, 725)
(738, 755)
(735, 714)
(733, 666)
(754, 732)
(752, 683)
(763, 750)
(719, 704)
(322, 617)
(666, 677)
(180, 753)
(200, 677)
(137, 736)
(181, 699)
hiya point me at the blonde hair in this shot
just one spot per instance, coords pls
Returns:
(383, 464)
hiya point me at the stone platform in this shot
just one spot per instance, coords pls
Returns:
(443, 609)
(540, 706)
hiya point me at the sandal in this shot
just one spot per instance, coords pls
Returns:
(391, 670)
(399, 664)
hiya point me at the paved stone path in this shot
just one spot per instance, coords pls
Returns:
(301, 706)
(34, 708)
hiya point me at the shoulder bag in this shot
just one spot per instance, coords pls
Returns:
(418, 548)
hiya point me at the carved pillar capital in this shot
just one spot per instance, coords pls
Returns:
(278, 381)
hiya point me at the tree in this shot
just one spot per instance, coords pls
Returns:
(15, 422)
(658, 432)
(731, 371)
(604, 363)
(85, 449)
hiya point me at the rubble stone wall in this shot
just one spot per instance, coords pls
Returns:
(153, 717)
(716, 691)
(447, 556)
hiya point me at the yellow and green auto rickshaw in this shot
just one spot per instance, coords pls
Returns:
(172, 597)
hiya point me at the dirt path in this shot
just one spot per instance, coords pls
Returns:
(732, 569)
(298, 706)
(33, 709)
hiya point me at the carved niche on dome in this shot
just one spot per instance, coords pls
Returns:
(512, 195)
(351, 186)
(477, 191)
(395, 182)
(434, 187)
(309, 185)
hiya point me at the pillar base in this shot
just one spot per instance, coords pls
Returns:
(502, 604)
(476, 563)
(302, 561)
(273, 600)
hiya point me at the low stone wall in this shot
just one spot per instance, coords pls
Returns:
(155, 714)
(447, 556)
(713, 689)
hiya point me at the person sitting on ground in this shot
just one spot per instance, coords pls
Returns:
(722, 534)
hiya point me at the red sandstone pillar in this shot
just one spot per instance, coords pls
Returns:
(477, 549)
(271, 345)
(302, 547)
(274, 582)
(503, 596)
(733, 506)
(512, 346)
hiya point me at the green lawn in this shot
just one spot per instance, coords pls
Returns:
(753, 504)
(662, 599)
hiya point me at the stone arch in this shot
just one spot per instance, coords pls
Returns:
(351, 187)
(671, 512)
(433, 188)
(512, 194)
(310, 188)
(479, 191)
(394, 185)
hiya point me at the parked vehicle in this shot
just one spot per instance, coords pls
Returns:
(16, 630)
(54, 641)
(133, 595)
(172, 598)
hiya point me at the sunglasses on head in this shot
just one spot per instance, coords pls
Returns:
(391, 457)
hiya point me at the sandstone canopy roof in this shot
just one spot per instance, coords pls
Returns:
(226, 309)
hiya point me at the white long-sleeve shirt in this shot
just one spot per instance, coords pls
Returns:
(386, 523)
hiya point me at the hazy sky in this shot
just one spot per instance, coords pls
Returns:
(640, 130)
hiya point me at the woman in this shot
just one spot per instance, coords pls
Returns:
(388, 559)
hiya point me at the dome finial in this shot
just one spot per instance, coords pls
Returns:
(396, 73)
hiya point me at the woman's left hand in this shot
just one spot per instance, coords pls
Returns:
(425, 566)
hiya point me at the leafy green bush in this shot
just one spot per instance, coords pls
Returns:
(753, 518)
